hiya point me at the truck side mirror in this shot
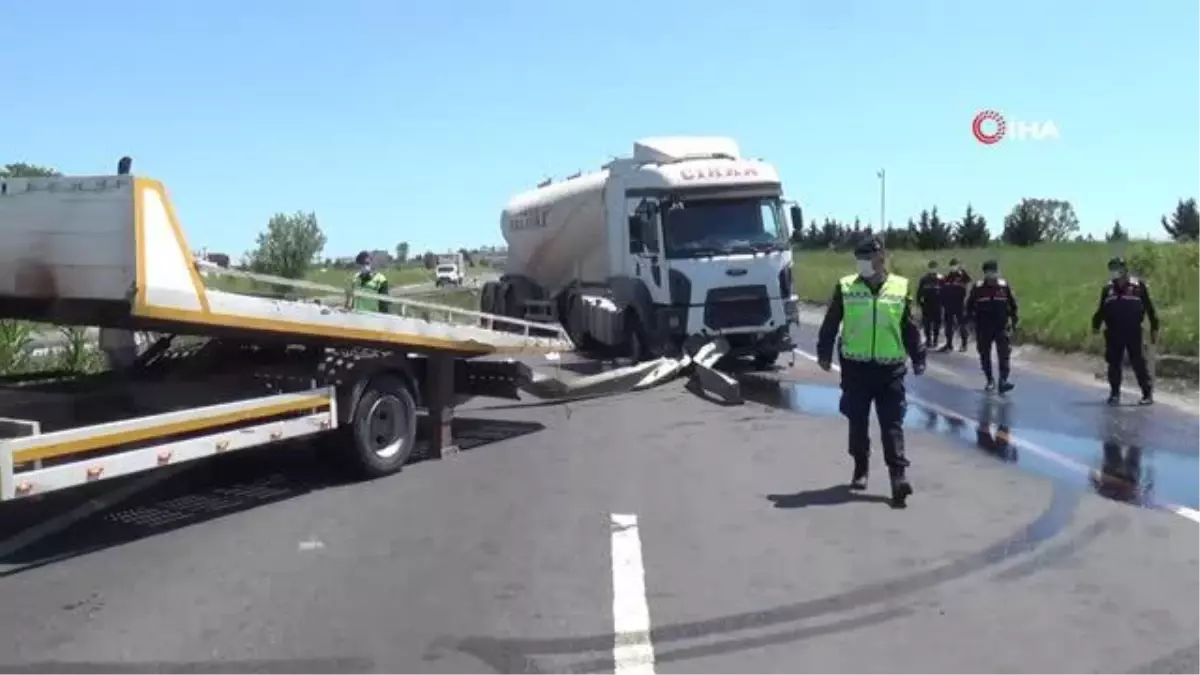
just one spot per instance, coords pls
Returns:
(797, 217)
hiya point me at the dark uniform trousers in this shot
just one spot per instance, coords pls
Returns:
(985, 338)
(931, 320)
(954, 305)
(1116, 345)
(953, 318)
(864, 384)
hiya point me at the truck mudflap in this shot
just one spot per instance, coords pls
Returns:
(699, 366)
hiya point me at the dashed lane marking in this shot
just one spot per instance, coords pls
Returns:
(632, 650)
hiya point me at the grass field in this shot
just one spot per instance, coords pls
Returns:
(1057, 286)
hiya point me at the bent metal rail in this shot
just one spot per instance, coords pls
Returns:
(404, 304)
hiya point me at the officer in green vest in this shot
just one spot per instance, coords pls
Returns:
(371, 281)
(873, 310)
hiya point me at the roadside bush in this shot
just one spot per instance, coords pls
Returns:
(18, 354)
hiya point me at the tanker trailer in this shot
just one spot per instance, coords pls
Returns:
(683, 240)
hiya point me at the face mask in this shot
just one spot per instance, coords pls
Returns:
(992, 275)
(365, 269)
(866, 268)
(1114, 274)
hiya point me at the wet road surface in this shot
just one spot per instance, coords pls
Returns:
(514, 557)
(1144, 455)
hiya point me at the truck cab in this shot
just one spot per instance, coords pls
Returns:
(448, 274)
(709, 242)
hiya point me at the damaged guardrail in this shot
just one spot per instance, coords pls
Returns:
(699, 366)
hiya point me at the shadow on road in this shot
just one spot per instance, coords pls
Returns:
(207, 490)
(830, 496)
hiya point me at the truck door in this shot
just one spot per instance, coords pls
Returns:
(645, 247)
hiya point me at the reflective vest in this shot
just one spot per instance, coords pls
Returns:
(873, 326)
(373, 284)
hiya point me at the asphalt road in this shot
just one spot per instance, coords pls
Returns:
(596, 536)
(1155, 447)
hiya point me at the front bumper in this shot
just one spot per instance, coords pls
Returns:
(677, 324)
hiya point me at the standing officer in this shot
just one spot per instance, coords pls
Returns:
(929, 298)
(954, 299)
(992, 307)
(371, 281)
(1124, 303)
(874, 312)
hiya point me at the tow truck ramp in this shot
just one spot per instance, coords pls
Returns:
(108, 251)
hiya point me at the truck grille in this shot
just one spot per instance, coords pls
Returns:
(737, 306)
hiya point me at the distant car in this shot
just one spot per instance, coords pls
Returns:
(448, 274)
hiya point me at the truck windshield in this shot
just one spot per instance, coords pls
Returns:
(703, 227)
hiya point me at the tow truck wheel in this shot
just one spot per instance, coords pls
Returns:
(763, 360)
(383, 429)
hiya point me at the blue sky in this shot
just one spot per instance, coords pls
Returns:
(416, 121)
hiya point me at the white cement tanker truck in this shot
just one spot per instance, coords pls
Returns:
(683, 240)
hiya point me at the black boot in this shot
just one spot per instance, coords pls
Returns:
(861, 469)
(991, 384)
(1006, 386)
(901, 491)
(1147, 398)
(947, 347)
(1114, 398)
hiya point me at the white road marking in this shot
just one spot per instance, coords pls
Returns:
(632, 649)
(53, 526)
(311, 544)
(1044, 453)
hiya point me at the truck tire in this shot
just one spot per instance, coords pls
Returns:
(382, 431)
(636, 345)
(573, 321)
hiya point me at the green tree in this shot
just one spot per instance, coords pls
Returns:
(895, 238)
(939, 230)
(23, 170)
(812, 238)
(1117, 233)
(289, 245)
(1057, 218)
(972, 230)
(1023, 226)
(402, 253)
(1184, 224)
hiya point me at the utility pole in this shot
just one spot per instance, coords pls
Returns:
(882, 199)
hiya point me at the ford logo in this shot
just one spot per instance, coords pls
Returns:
(736, 271)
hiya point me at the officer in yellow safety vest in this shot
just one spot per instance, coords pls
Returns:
(371, 281)
(873, 309)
